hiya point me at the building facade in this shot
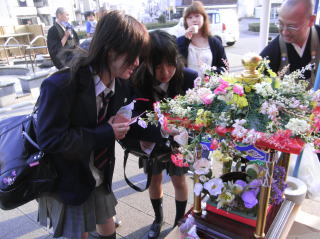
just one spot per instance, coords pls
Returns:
(18, 12)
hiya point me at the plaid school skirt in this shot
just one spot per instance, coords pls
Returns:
(72, 221)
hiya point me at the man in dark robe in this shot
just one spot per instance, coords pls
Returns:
(61, 36)
(298, 42)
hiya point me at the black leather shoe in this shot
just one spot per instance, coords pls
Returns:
(155, 229)
(117, 222)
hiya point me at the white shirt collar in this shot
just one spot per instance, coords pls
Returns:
(100, 87)
(164, 86)
(300, 50)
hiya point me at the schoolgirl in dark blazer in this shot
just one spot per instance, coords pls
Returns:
(162, 76)
(77, 138)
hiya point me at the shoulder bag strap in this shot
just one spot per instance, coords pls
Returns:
(126, 154)
(315, 53)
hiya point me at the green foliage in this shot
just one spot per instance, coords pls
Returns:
(82, 34)
(255, 27)
(156, 25)
(255, 119)
(162, 19)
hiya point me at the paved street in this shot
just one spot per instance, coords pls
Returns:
(134, 208)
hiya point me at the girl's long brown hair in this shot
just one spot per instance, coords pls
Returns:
(198, 8)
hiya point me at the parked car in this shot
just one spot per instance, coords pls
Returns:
(224, 24)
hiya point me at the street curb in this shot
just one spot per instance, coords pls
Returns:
(16, 106)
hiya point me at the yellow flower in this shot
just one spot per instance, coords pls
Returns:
(240, 101)
(271, 73)
(226, 159)
(313, 104)
(247, 88)
(200, 112)
(204, 117)
(217, 155)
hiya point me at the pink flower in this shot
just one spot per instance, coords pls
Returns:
(214, 144)
(221, 89)
(238, 90)
(223, 82)
(207, 98)
(177, 159)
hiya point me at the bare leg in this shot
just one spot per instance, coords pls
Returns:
(84, 235)
(106, 229)
(180, 187)
(155, 189)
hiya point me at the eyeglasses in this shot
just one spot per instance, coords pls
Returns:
(289, 28)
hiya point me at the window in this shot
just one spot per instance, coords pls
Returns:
(22, 3)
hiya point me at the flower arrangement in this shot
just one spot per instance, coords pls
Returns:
(260, 108)
(270, 112)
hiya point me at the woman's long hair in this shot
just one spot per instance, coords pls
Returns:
(197, 8)
(115, 32)
(163, 49)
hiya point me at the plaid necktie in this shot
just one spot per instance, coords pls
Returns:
(100, 155)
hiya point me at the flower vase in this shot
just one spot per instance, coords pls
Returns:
(197, 198)
(264, 197)
(226, 167)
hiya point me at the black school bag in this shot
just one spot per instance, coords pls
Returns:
(24, 171)
(161, 152)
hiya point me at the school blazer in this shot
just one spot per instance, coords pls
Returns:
(67, 131)
(152, 133)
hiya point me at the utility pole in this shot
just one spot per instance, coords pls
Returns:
(316, 5)
(98, 5)
(264, 23)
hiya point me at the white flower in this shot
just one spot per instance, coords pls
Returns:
(251, 137)
(239, 122)
(197, 189)
(203, 178)
(202, 166)
(197, 82)
(270, 109)
(294, 103)
(239, 131)
(214, 186)
(298, 126)
(156, 107)
(192, 96)
(225, 198)
(264, 89)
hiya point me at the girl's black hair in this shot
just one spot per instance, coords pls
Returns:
(163, 49)
(117, 33)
